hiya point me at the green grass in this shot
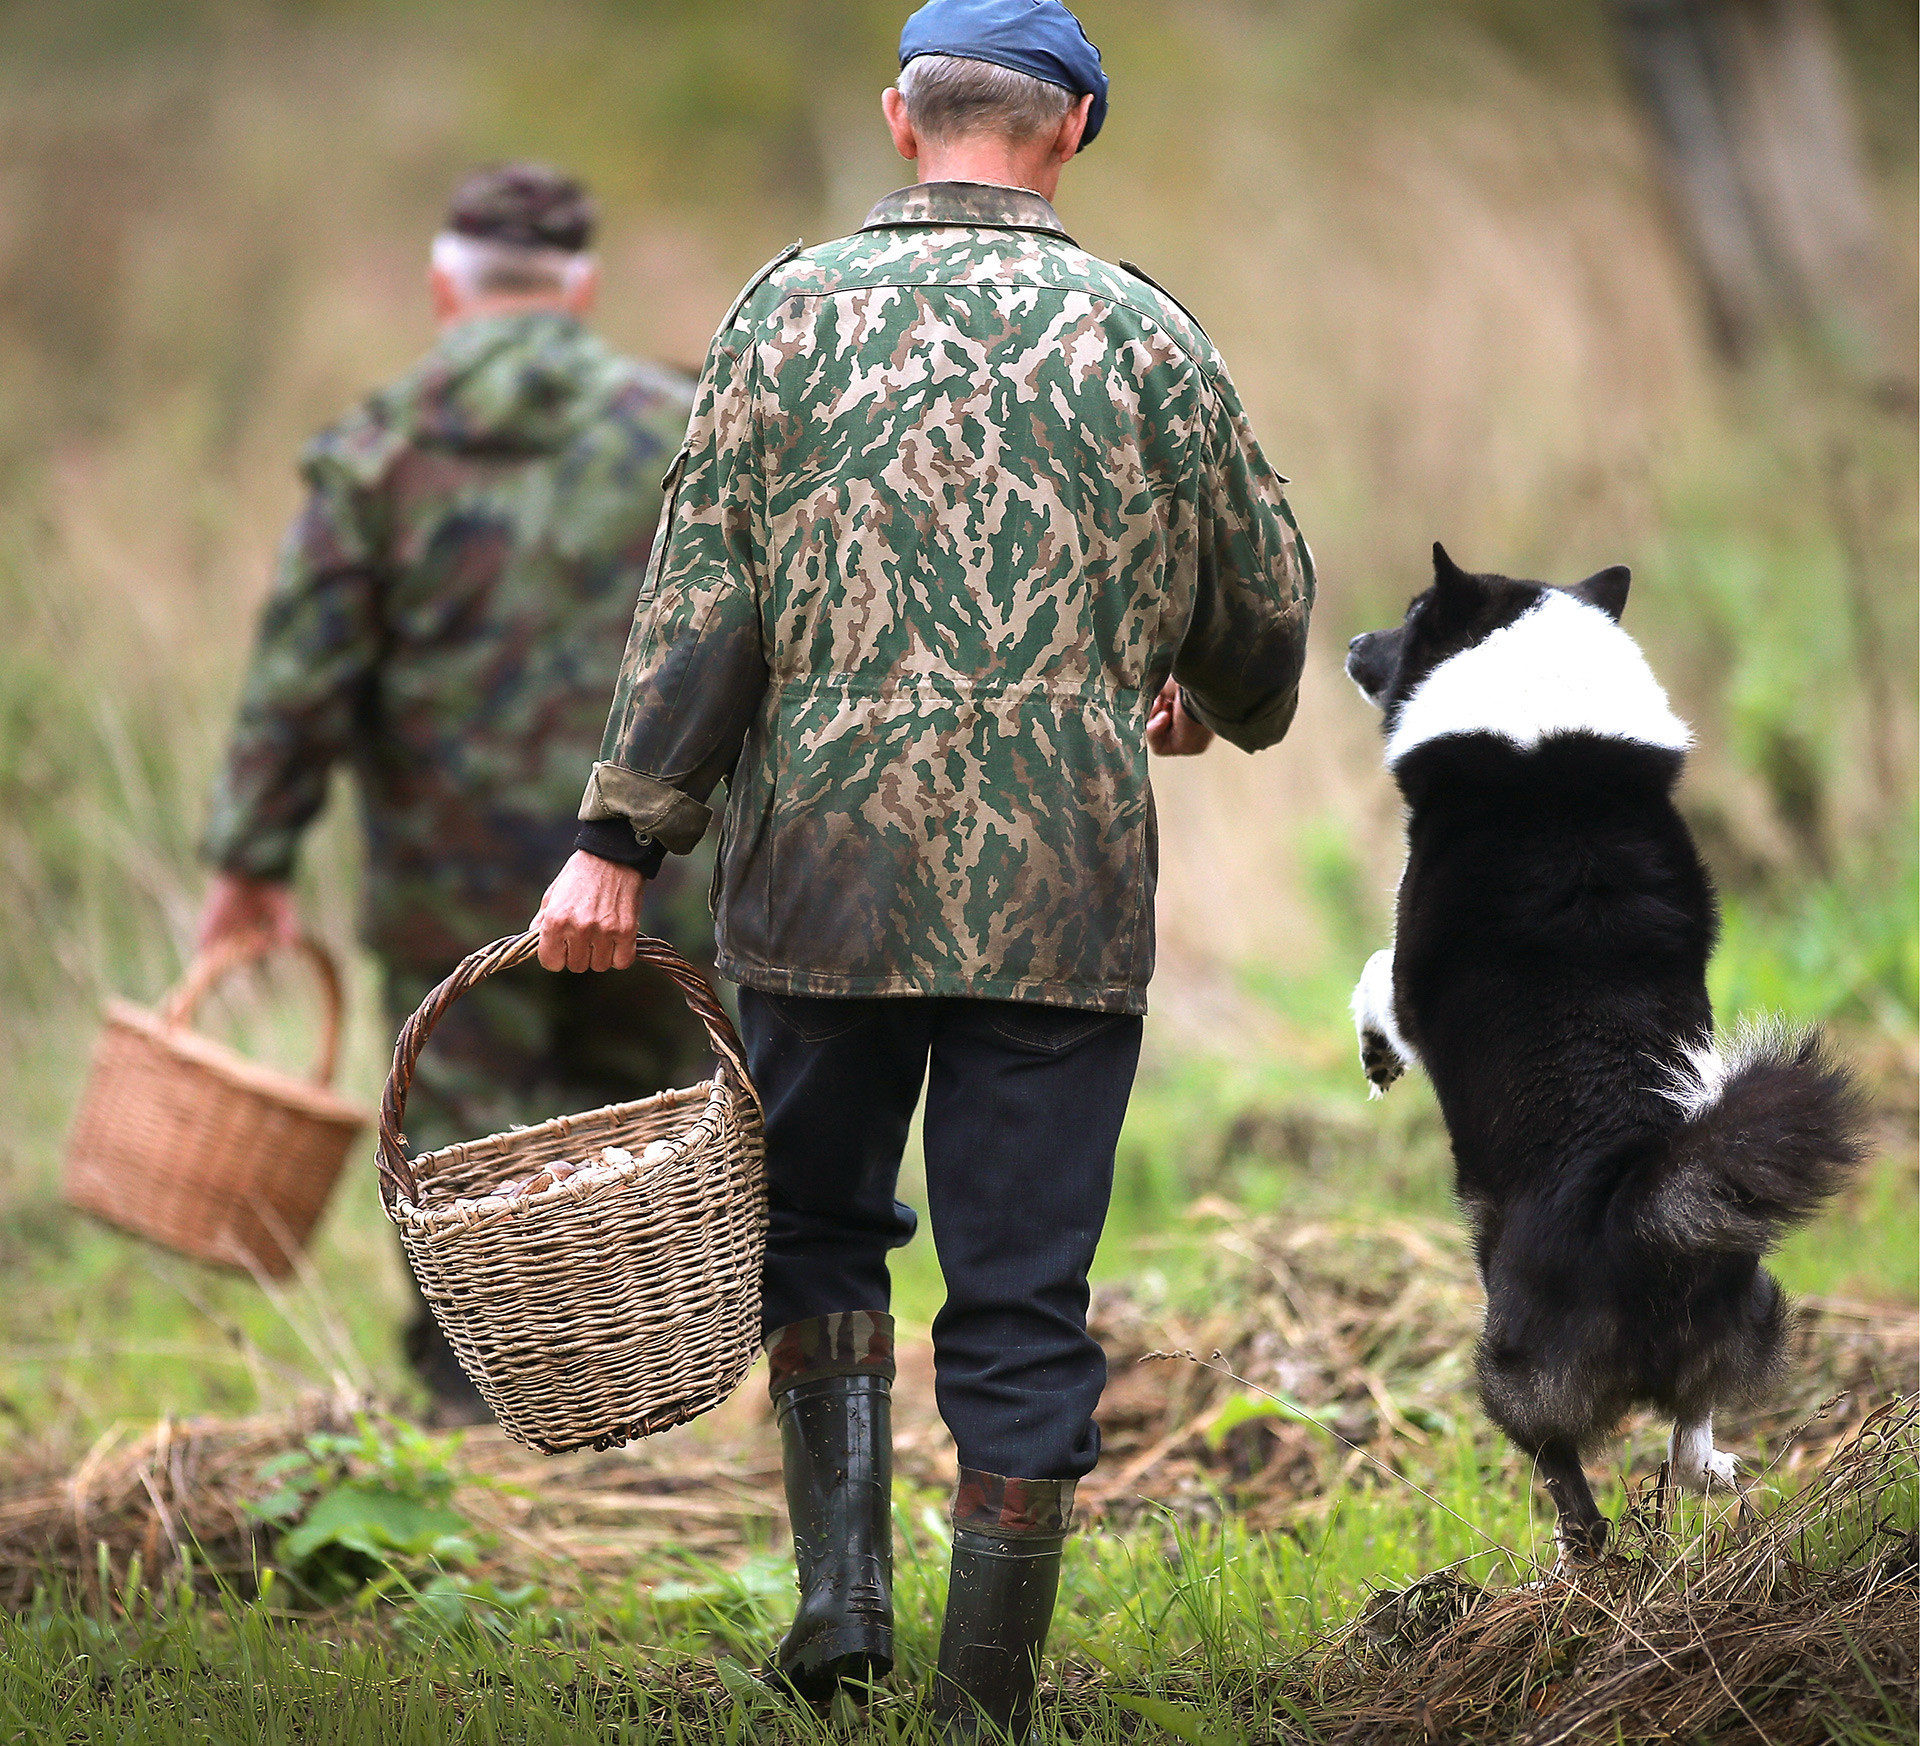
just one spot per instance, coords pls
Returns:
(1198, 1619)
(1190, 1615)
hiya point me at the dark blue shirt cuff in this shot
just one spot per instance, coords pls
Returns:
(612, 839)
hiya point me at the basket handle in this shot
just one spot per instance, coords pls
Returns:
(396, 1169)
(209, 969)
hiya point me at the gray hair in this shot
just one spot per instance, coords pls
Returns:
(949, 97)
(484, 267)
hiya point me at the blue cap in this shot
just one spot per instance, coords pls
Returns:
(1038, 37)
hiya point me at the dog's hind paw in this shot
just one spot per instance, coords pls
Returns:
(1717, 1471)
(1696, 1465)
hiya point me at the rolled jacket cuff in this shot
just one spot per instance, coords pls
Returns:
(674, 820)
(848, 1343)
(270, 856)
(1267, 726)
(1014, 1509)
(613, 839)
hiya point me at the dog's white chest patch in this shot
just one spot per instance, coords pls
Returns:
(1564, 667)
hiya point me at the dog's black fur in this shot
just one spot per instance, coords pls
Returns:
(1549, 972)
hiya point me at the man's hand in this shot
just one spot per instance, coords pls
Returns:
(590, 916)
(1171, 732)
(239, 908)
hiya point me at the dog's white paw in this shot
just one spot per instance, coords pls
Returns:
(1384, 1055)
(1696, 1465)
(1380, 1061)
(1718, 1471)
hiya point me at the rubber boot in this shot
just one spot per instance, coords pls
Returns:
(1007, 1537)
(832, 1380)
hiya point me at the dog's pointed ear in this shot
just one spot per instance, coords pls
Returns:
(1606, 589)
(1447, 575)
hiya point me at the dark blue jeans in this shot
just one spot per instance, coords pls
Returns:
(1024, 1105)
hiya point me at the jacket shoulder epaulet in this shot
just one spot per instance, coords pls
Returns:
(1141, 274)
(760, 278)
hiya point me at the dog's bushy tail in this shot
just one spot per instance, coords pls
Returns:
(1774, 1125)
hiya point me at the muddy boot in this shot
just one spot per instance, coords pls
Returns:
(1007, 1536)
(831, 1381)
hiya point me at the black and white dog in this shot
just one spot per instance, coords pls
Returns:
(1622, 1173)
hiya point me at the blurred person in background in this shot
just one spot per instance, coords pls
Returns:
(446, 623)
(967, 522)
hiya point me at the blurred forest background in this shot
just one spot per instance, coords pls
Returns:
(1474, 286)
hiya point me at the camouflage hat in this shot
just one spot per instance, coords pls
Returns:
(532, 206)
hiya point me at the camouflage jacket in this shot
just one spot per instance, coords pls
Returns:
(447, 622)
(956, 498)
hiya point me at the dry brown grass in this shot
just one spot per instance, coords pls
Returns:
(172, 1496)
(175, 1497)
(1370, 1328)
(1782, 1628)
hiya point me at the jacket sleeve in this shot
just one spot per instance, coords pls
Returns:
(695, 668)
(1239, 667)
(310, 682)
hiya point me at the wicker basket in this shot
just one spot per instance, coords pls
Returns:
(622, 1300)
(183, 1141)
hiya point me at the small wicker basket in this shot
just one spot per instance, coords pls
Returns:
(183, 1141)
(622, 1300)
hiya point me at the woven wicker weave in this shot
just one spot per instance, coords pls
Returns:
(181, 1140)
(622, 1300)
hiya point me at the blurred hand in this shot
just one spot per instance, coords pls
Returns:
(1171, 732)
(239, 908)
(591, 915)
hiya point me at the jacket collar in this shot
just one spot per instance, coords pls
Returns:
(973, 204)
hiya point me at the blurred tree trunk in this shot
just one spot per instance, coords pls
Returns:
(1751, 104)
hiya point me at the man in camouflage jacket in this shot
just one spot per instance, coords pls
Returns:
(966, 522)
(446, 622)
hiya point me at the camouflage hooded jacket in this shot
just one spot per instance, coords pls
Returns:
(956, 498)
(447, 620)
